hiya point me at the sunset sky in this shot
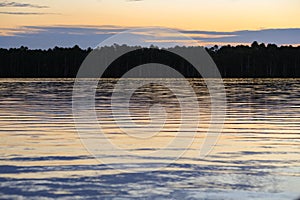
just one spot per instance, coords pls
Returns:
(47, 23)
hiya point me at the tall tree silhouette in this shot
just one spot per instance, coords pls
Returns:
(257, 60)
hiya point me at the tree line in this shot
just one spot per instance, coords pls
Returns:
(242, 61)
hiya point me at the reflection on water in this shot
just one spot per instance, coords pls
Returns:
(257, 155)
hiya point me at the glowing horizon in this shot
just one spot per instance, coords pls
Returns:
(217, 15)
(192, 15)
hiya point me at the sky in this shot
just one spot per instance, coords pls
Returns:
(49, 23)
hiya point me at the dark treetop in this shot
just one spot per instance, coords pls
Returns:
(257, 60)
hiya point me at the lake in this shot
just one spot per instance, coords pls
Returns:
(256, 156)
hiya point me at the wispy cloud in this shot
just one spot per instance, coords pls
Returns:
(91, 36)
(16, 4)
(27, 13)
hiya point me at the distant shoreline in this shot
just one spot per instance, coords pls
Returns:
(255, 61)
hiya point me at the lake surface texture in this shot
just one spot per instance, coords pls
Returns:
(42, 155)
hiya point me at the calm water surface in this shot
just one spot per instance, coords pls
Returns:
(257, 155)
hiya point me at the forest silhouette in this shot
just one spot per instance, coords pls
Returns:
(255, 61)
